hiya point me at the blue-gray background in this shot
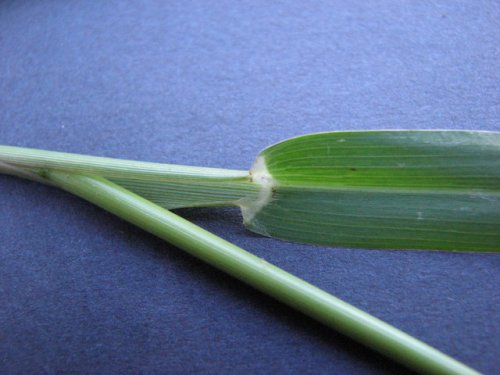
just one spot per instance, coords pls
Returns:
(211, 83)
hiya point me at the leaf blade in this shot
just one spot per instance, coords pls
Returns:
(379, 193)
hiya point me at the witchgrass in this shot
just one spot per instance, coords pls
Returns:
(381, 189)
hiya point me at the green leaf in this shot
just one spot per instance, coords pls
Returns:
(373, 189)
(300, 190)
(381, 189)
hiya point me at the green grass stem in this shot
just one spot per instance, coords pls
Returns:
(258, 273)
